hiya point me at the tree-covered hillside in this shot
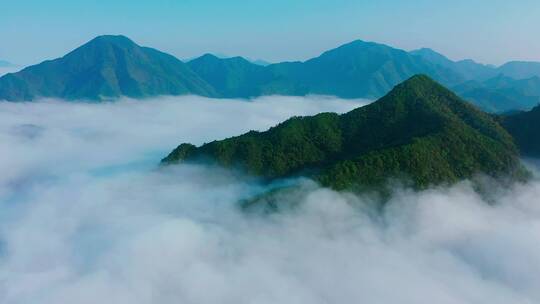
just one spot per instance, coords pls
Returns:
(525, 128)
(420, 131)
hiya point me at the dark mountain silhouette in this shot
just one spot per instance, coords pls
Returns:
(525, 128)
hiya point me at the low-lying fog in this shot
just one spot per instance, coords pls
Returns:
(86, 218)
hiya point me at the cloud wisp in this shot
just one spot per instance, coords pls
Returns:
(87, 218)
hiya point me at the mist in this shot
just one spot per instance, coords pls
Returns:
(88, 217)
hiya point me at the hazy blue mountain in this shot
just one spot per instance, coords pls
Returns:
(520, 69)
(473, 70)
(512, 86)
(467, 69)
(112, 66)
(419, 130)
(433, 56)
(355, 70)
(502, 93)
(526, 86)
(231, 77)
(360, 69)
(525, 128)
(106, 67)
(261, 62)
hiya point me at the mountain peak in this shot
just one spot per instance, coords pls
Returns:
(213, 59)
(420, 84)
(109, 40)
(218, 72)
(426, 51)
(102, 45)
(418, 130)
(520, 69)
(207, 56)
(432, 56)
(358, 43)
(419, 79)
(108, 66)
(357, 46)
(116, 39)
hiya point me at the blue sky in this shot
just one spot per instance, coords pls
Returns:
(489, 31)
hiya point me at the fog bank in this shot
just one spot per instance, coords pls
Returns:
(87, 218)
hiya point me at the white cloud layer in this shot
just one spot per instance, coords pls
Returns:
(87, 218)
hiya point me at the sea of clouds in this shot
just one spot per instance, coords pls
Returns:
(87, 216)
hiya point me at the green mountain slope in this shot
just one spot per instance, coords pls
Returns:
(106, 67)
(420, 130)
(525, 128)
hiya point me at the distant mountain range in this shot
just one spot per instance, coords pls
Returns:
(111, 66)
(520, 69)
(231, 77)
(106, 67)
(502, 93)
(224, 56)
(466, 69)
(420, 131)
(260, 62)
(512, 86)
